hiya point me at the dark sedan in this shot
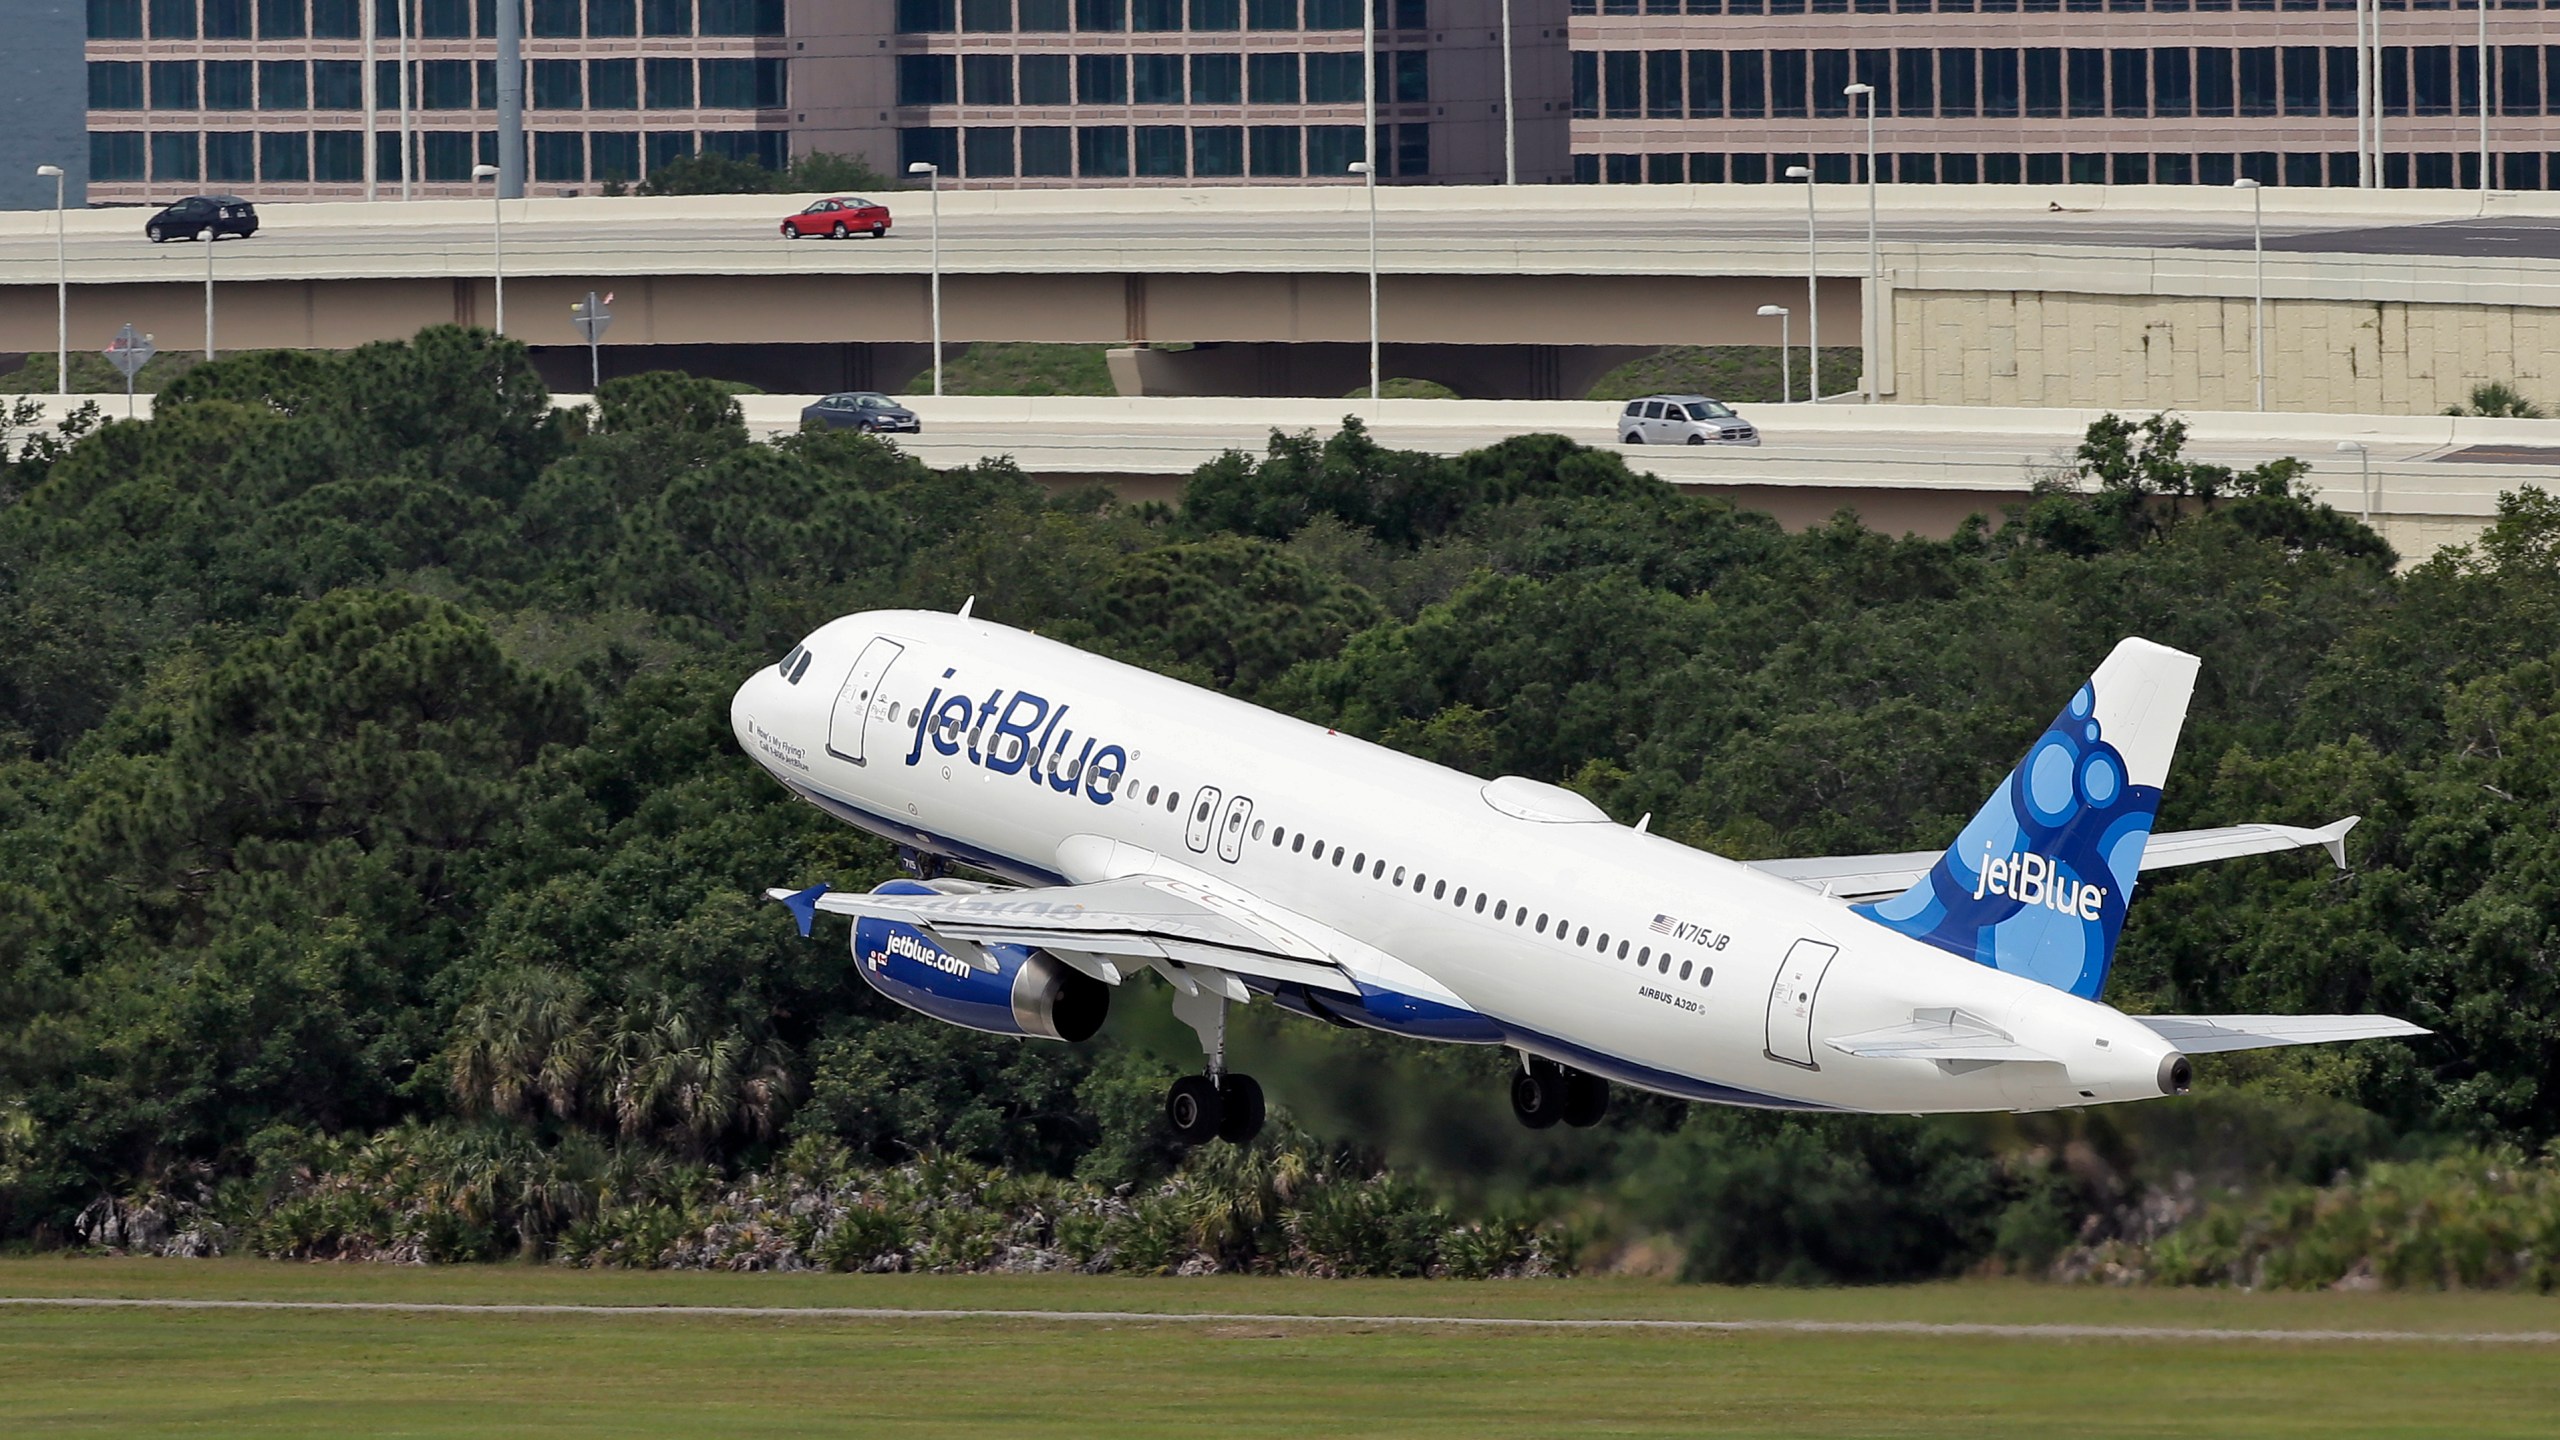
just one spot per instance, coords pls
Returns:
(190, 218)
(865, 410)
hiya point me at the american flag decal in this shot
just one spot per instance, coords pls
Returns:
(1661, 924)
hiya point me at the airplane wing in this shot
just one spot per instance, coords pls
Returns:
(1877, 877)
(1142, 918)
(2214, 1034)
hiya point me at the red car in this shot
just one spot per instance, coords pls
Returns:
(838, 217)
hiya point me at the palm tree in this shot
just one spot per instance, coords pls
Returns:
(531, 1040)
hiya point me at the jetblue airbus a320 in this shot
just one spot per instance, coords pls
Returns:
(1137, 823)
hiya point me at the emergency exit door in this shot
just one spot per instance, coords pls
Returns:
(1791, 1001)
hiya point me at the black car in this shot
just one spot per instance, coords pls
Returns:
(866, 410)
(191, 217)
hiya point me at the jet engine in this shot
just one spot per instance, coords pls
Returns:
(1001, 989)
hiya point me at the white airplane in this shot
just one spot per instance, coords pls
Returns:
(1144, 824)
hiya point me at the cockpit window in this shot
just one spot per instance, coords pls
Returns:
(803, 667)
(790, 660)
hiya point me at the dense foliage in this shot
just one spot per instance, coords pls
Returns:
(369, 819)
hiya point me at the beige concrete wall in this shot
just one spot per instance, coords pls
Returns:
(2371, 357)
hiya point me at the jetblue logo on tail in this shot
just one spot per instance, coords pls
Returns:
(2031, 879)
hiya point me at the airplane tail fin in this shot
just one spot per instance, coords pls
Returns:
(2037, 884)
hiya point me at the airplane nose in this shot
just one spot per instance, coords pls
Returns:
(742, 708)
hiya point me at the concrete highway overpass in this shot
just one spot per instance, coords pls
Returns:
(2378, 302)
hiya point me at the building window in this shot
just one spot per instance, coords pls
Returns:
(1216, 15)
(173, 155)
(666, 147)
(1217, 151)
(559, 20)
(228, 85)
(2044, 83)
(1102, 80)
(284, 155)
(2000, 83)
(988, 80)
(1159, 151)
(1045, 82)
(2258, 84)
(1956, 87)
(1102, 151)
(1271, 80)
(337, 156)
(2173, 90)
(443, 20)
(2215, 94)
(743, 17)
(283, 85)
(728, 84)
(442, 84)
(1334, 14)
(767, 148)
(2087, 71)
(1042, 16)
(613, 156)
(2430, 93)
(225, 20)
(1104, 17)
(559, 155)
(1048, 151)
(335, 20)
(1333, 77)
(172, 20)
(990, 17)
(560, 85)
(115, 85)
(670, 82)
(1664, 97)
(1621, 84)
(1786, 84)
(1413, 149)
(1746, 88)
(675, 17)
(337, 85)
(1275, 151)
(1271, 14)
(1408, 81)
(230, 157)
(1331, 149)
(613, 85)
(934, 145)
(2129, 84)
(1586, 85)
(1706, 84)
(445, 155)
(173, 87)
(988, 152)
(1156, 79)
(608, 19)
(922, 80)
(1155, 15)
(114, 20)
(281, 20)
(115, 155)
(2299, 67)
(1217, 79)
(1914, 92)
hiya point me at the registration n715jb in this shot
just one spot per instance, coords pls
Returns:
(1134, 823)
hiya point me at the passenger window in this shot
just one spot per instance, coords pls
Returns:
(1202, 813)
(1479, 902)
(1337, 857)
(1665, 966)
(1360, 861)
(1499, 906)
(1622, 949)
(1684, 969)
(1399, 881)
(1378, 870)
(1257, 829)
(1172, 802)
(1706, 976)
(1420, 881)
(1542, 924)
(1298, 844)
(1520, 916)
(893, 712)
(1440, 891)
(1152, 791)
(1644, 957)
(1604, 940)
(1461, 901)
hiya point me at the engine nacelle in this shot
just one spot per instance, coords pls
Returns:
(1001, 989)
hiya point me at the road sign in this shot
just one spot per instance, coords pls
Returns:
(130, 351)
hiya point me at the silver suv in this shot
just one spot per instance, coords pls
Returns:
(1683, 420)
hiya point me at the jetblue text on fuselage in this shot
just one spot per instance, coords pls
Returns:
(1023, 734)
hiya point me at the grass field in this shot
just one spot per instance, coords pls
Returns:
(663, 1373)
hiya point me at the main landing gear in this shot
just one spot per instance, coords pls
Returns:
(921, 864)
(1545, 1092)
(1218, 1105)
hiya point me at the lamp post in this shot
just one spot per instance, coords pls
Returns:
(2483, 7)
(1510, 121)
(497, 239)
(1812, 300)
(408, 141)
(61, 287)
(2258, 304)
(933, 183)
(208, 292)
(1870, 312)
(1361, 169)
(2364, 462)
(1786, 375)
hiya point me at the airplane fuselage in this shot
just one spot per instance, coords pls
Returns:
(1507, 912)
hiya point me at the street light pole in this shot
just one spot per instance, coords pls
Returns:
(2364, 462)
(408, 143)
(1510, 116)
(1361, 169)
(2258, 303)
(1786, 374)
(1812, 299)
(372, 101)
(1870, 313)
(2483, 7)
(61, 287)
(497, 238)
(933, 183)
(208, 292)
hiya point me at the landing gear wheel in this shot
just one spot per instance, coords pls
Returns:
(839, 232)
(1193, 1109)
(1586, 1099)
(1241, 1097)
(1538, 1094)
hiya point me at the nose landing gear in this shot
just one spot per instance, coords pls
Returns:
(1545, 1092)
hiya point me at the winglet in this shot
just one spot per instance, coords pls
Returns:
(804, 905)
(2333, 838)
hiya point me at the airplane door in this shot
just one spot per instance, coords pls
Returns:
(1204, 810)
(1231, 829)
(1791, 1001)
(861, 698)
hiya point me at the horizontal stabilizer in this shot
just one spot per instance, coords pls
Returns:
(2213, 1034)
(1938, 1035)
(1873, 877)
